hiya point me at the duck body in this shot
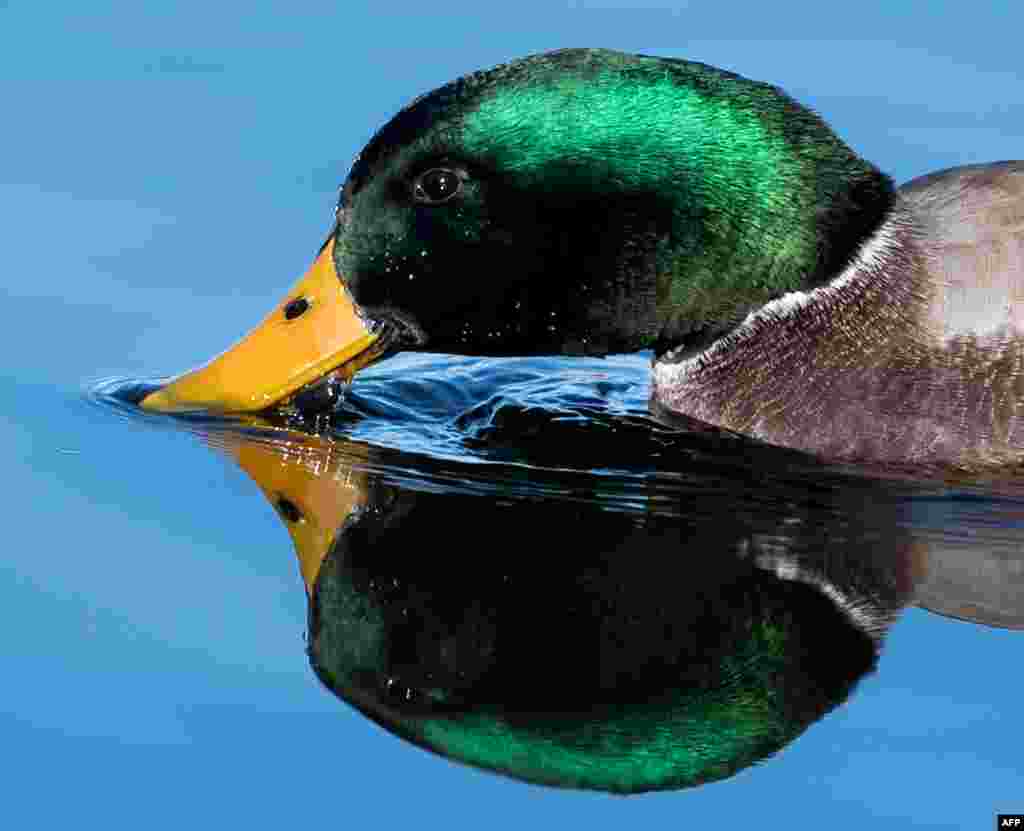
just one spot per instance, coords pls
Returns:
(912, 355)
(586, 202)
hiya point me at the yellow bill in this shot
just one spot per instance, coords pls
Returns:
(314, 331)
(313, 483)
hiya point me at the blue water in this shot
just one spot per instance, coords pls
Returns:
(466, 434)
(154, 652)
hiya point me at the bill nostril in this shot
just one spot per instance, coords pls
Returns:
(289, 510)
(296, 308)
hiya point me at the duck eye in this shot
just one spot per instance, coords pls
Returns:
(436, 186)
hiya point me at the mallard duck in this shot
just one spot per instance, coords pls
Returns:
(586, 201)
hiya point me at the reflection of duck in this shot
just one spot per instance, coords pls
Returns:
(654, 650)
(586, 201)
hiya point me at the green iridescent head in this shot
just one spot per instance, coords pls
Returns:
(589, 200)
(629, 658)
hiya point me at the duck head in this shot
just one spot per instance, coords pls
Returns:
(577, 202)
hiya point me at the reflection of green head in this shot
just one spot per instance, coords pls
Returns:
(617, 673)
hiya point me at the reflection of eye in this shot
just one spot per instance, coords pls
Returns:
(436, 186)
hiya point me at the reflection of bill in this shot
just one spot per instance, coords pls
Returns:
(562, 643)
(314, 485)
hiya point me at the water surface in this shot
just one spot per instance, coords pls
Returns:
(483, 486)
(168, 170)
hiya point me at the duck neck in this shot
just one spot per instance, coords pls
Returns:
(802, 371)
